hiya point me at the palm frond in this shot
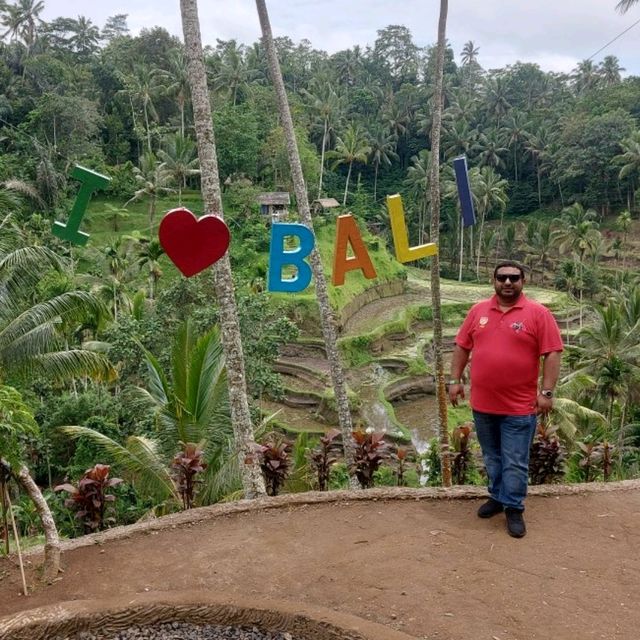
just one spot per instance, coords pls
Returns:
(139, 462)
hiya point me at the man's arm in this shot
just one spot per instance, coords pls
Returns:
(550, 374)
(459, 361)
(551, 370)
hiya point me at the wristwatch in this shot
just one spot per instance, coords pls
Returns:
(547, 393)
(455, 381)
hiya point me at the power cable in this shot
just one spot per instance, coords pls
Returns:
(612, 41)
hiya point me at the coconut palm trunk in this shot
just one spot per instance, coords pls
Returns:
(326, 314)
(324, 146)
(252, 480)
(51, 566)
(443, 427)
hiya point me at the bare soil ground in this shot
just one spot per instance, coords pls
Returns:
(429, 568)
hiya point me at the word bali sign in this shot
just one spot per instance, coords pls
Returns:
(193, 244)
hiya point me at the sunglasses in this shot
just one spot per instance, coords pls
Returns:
(510, 276)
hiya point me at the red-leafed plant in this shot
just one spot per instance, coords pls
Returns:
(370, 451)
(324, 456)
(275, 461)
(547, 458)
(90, 497)
(401, 458)
(461, 441)
(186, 465)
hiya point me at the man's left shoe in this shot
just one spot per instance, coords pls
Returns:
(515, 523)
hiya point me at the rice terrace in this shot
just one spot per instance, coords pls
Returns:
(330, 343)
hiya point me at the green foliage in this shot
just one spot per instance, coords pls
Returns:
(16, 423)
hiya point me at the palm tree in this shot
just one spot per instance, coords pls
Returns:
(585, 76)
(491, 148)
(153, 179)
(149, 253)
(438, 103)
(610, 69)
(540, 244)
(624, 5)
(252, 480)
(490, 192)
(86, 36)
(537, 145)
(190, 405)
(630, 159)
(577, 232)
(496, 98)
(459, 139)
(143, 85)
(232, 75)
(352, 147)
(516, 130)
(609, 351)
(32, 343)
(469, 54)
(417, 181)
(326, 314)
(179, 161)
(22, 19)
(327, 106)
(178, 82)
(623, 224)
(382, 152)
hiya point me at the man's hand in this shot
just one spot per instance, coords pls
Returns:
(455, 391)
(543, 404)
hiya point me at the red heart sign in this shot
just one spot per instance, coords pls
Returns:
(193, 244)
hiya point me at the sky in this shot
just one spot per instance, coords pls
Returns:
(555, 34)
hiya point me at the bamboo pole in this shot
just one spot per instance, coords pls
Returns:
(7, 500)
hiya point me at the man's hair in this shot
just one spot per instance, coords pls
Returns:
(509, 263)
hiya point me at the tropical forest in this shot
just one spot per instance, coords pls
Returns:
(129, 391)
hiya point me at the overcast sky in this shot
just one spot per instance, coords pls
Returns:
(554, 33)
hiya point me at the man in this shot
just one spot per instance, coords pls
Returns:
(507, 335)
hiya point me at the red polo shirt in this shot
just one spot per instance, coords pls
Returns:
(506, 349)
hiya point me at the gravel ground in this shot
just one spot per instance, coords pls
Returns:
(184, 631)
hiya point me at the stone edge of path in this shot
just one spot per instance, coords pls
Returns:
(200, 514)
(307, 622)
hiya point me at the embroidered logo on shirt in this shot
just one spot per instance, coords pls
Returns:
(483, 321)
(518, 326)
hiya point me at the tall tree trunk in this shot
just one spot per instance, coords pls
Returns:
(461, 258)
(375, 183)
(346, 186)
(480, 233)
(51, 538)
(443, 426)
(252, 480)
(324, 145)
(326, 313)
(147, 125)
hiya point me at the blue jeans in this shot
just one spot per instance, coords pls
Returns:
(505, 443)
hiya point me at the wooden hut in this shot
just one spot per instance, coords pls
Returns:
(322, 205)
(275, 205)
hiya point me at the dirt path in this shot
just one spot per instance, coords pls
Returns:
(429, 568)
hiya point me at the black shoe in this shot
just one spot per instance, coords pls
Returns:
(490, 508)
(515, 523)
